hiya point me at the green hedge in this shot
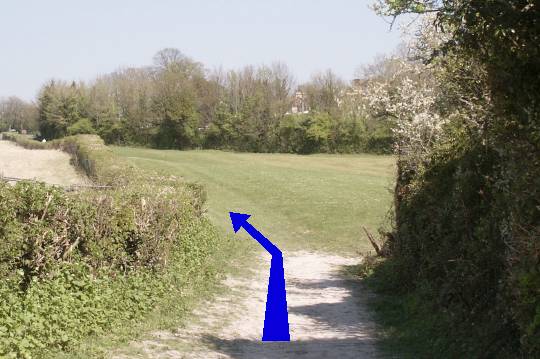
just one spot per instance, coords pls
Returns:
(465, 250)
(27, 141)
(76, 264)
(88, 153)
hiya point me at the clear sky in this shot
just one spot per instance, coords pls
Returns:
(77, 40)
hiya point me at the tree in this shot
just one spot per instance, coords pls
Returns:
(257, 99)
(60, 106)
(324, 92)
(18, 114)
(123, 106)
(174, 106)
(177, 103)
(470, 196)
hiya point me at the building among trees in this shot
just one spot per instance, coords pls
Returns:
(300, 104)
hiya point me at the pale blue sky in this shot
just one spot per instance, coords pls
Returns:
(70, 39)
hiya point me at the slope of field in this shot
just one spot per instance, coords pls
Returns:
(51, 166)
(317, 202)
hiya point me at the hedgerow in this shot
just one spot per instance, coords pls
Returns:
(75, 264)
(27, 141)
(465, 253)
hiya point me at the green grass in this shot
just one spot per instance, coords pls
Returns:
(317, 202)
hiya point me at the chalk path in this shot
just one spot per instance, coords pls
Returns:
(327, 315)
(51, 166)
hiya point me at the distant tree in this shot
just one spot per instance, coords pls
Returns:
(221, 131)
(174, 103)
(103, 110)
(177, 103)
(257, 99)
(60, 106)
(122, 106)
(18, 115)
(173, 60)
(324, 92)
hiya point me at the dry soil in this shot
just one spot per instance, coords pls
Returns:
(51, 166)
(327, 315)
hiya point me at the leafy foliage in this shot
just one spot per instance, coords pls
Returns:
(82, 126)
(76, 264)
(178, 104)
(466, 202)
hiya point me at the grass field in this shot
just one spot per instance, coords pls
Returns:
(317, 202)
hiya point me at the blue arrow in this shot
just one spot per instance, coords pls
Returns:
(276, 318)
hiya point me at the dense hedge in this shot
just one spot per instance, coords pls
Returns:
(75, 264)
(465, 251)
(27, 141)
(309, 133)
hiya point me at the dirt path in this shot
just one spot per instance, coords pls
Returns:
(51, 166)
(327, 317)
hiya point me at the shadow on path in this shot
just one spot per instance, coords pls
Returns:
(330, 323)
(328, 317)
(316, 348)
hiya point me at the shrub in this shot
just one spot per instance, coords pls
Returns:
(27, 141)
(76, 264)
(466, 248)
(82, 126)
(380, 143)
(467, 195)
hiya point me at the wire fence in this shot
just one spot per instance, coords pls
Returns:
(71, 187)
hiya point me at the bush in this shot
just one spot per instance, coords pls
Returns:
(467, 198)
(76, 264)
(82, 126)
(27, 141)
(380, 143)
(467, 248)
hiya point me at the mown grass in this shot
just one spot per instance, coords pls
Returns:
(317, 202)
(314, 202)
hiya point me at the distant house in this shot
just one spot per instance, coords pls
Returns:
(299, 104)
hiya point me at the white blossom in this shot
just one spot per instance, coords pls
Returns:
(409, 96)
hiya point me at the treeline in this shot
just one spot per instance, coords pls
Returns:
(18, 115)
(177, 103)
(464, 264)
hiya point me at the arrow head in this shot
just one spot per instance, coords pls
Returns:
(238, 220)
